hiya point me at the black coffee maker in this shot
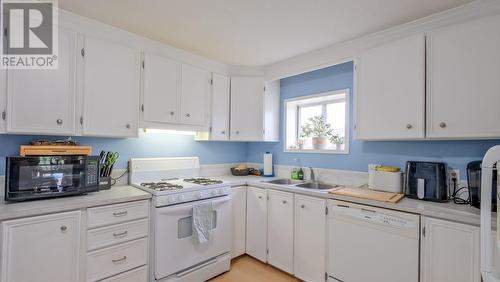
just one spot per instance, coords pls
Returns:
(474, 181)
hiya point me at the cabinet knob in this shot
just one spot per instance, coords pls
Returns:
(260, 197)
(284, 202)
(409, 126)
(237, 132)
(302, 206)
(59, 122)
(442, 124)
(188, 115)
(223, 132)
(171, 113)
(64, 228)
(127, 126)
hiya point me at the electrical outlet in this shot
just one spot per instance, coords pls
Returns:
(453, 174)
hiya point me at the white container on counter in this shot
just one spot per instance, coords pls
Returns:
(385, 181)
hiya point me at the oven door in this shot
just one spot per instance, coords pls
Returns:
(175, 248)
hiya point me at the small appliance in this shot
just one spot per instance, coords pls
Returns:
(427, 181)
(474, 183)
(40, 177)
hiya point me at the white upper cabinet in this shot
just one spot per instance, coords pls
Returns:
(43, 101)
(3, 99)
(161, 89)
(390, 96)
(111, 75)
(280, 230)
(220, 107)
(195, 95)
(49, 245)
(247, 109)
(271, 111)
(463, 85)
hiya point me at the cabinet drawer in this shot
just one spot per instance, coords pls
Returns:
(111, 235)
(137, 275)
(110, 261)
(112, 214)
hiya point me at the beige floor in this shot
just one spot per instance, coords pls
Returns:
(246, 268)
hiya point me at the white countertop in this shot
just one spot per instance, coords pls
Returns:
(448, 211)
(117, 194)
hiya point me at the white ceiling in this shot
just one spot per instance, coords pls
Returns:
(255, 32)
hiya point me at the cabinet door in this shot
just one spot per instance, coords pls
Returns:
(239, 208)
(43, 101)
(247, 109)
(195, 94)
(463, 85)
(280, 230)
(3, 99)
(272, 111)
(220, 107)
(43, 249)
(161, 89)
(310, 238)
(390, 97)
(450, 252)
(256, 238)
(110, 89)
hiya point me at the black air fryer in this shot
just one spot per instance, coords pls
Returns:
(427, 181)
(474, 181)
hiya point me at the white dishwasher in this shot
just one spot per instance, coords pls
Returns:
(372, 244)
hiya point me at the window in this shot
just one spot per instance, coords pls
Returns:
(318, 123)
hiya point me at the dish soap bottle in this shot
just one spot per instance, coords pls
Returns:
(300, 174)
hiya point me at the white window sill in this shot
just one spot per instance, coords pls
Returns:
(313, 151)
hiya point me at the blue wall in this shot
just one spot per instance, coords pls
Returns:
(147, 145)
(456, 153)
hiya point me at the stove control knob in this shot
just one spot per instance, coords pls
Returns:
(197, 195)
(220, 191)
(180, 198)
(170, 200)
(213, 193)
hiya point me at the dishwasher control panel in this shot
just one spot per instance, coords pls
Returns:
(373, 216)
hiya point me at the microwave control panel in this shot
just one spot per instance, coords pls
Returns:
(92, 172)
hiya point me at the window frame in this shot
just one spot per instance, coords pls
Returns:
(297, 118)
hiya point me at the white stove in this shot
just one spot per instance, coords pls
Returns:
(177, 188)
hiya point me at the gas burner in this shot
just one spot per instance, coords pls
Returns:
(161, 186)
(203, 181)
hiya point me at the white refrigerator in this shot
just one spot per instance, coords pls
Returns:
(490, 243)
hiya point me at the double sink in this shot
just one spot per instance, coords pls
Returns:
(303, 184)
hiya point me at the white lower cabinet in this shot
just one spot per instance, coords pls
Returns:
(450, 251)
(43, 248)
(256, 237)
(239, 208)
(310, 238)
(280, 230)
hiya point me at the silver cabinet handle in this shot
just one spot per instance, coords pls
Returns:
(284, 202)
(118, 214)
(223, 132)
(127, 126)
(302, 206)
(59, 122)
(409, 126)
(171, 113)
(64, 228)
(188, 115)
(260, 197)
(119, 235)
(442, 124)
(237, 132)
(120, 260)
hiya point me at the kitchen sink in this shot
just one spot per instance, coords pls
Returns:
(316, 185)
(285, 181)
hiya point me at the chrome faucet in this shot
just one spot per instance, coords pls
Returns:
(313, 177)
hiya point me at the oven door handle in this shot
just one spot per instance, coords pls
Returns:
(183, 208)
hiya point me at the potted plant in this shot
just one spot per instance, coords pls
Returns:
(336, 140)
(320, 131)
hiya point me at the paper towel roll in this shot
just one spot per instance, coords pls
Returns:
(268, 164)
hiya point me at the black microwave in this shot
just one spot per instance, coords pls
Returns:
(41, 177)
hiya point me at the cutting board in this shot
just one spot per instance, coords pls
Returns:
(54, 150)
(369, 194)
